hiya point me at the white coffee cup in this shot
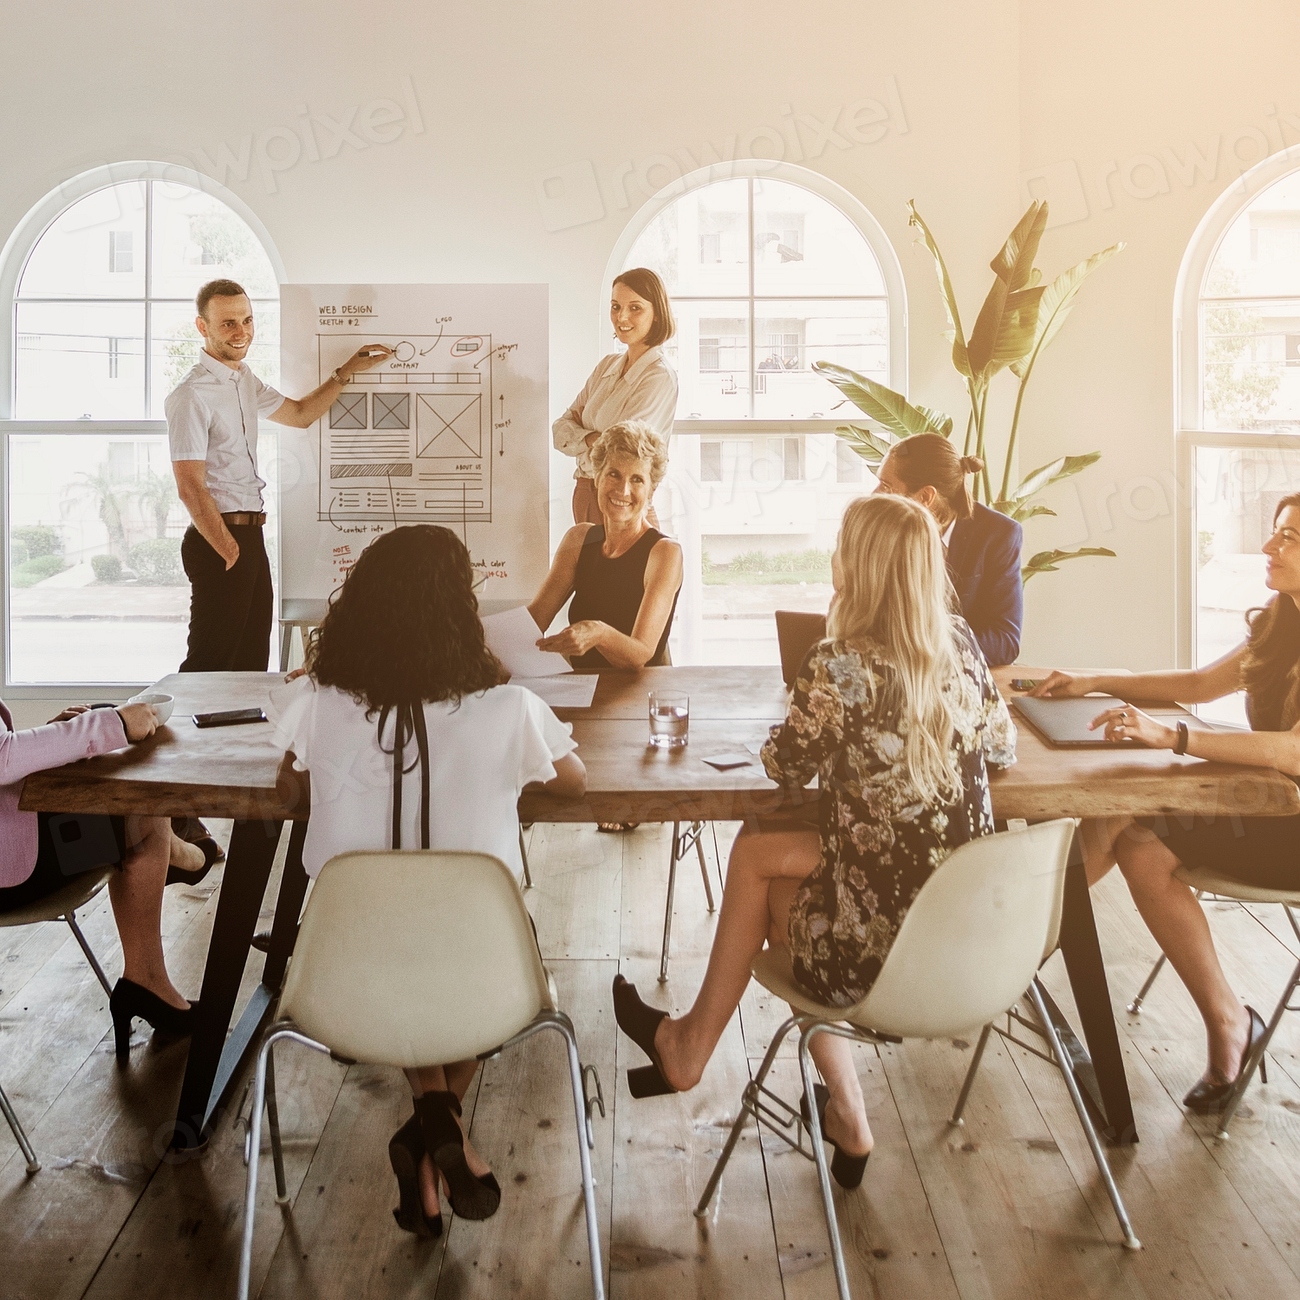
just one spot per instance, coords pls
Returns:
(162, 704)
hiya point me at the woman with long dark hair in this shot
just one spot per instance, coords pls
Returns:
(1263, 851)
(401, 693)
(635, 383)
(981, 546)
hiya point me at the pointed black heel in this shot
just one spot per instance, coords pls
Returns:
(639, 1023)
(847, 1170)
(129, 1000)
(405, 1151)
(471, 1197)
(212, 854)
(1207, 1098)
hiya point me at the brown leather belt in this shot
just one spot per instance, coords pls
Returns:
(243, 517)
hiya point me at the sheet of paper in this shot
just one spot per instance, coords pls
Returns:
(571, 691)
(725, 761)
(512, 637)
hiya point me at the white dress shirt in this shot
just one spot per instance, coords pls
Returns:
(647, 392)
(483, 750)
(212, 416)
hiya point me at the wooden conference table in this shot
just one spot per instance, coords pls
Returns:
(232, 773)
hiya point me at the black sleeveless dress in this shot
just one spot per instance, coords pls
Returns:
(611, 591)
(1260, 851)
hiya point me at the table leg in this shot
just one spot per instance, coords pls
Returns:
(288, 908)
(286, 645)
(1100, 1069)
(248, 867)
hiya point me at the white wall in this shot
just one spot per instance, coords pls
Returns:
(510, 93)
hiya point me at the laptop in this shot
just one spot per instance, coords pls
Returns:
(1064, 723)
(796, 633)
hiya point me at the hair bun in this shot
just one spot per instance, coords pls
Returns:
(971, 464)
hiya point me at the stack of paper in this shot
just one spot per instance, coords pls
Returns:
(513, 637)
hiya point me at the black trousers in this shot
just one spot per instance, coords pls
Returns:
(230, 609)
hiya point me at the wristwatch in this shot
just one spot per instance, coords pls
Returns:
(338, 378)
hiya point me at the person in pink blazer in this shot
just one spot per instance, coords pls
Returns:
(41, 852)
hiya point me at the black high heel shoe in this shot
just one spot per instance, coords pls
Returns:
(847, 1170)
(471, 1197)
(1205, 1098)
(129, 1000)
(405, 1151)
(212, 854)
(639, 1023)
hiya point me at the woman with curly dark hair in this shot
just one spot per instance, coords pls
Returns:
(403, 723)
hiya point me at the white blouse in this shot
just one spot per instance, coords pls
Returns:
(482, 752)
(647, 392)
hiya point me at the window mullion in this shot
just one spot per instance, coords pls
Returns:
(749, 259)
(148, 293)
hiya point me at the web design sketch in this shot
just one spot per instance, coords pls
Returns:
(451, 429)
(413, 438)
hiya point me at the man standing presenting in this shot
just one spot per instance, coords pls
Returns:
(212, 419)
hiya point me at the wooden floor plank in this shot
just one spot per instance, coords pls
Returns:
(575, 894)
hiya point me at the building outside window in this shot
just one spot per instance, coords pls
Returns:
(757, 479)
(103, 329)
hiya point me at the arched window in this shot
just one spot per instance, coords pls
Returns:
(101, 279)
(768, 273)
(1240, 398)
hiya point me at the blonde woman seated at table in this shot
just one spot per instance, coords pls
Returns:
(897, 715)
(41, 852)
(635, 384)
(402, 644)
(623, 574)
(1263, 851)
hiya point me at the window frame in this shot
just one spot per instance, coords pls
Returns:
(891, 271)
(1190, 430)
(13, 259)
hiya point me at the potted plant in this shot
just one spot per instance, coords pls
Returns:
(1021, 315)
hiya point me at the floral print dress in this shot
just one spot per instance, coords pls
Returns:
(879, 840)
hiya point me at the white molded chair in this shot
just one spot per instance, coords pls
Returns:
(1209, 882)
(61, 905)
(969, 948)
(412, 959)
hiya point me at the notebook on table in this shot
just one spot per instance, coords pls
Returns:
(796, 634)
(1064, 723)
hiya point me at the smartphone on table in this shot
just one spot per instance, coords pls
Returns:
(229, 718)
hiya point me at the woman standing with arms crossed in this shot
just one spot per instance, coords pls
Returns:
(637, 384)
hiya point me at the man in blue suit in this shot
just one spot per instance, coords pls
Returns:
(984, 565)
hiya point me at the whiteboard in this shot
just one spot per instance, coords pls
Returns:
(453, 429)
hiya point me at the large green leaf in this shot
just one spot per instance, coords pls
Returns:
(1021, 510)
(1004, 330)
(1015, 263)
(1057, 300)
(960, 358)
(1046, 561)
(870, 446)
(882, 404)
(1053, 472)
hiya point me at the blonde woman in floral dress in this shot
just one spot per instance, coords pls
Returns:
(898, 716)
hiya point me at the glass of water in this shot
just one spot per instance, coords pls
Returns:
(670, 719)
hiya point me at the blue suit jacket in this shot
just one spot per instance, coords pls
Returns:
(984, 565)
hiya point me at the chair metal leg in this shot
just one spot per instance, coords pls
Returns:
(819, 1155)
(668, 905)
(697, 830)
(24, 1143)
(559, 1021)
(747, 1102)
(1136, 1005)
(1072, 1086)
(71, 919)
(1257, 1057)
(273, 1123)
(282, 1030)
(523, 853)
(970, 1075)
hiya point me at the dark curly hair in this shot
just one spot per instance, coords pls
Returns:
(404, 625)
(1270, 671)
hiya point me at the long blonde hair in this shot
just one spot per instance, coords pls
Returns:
(895, 599)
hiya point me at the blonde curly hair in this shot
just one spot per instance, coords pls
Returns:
(636, 440)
